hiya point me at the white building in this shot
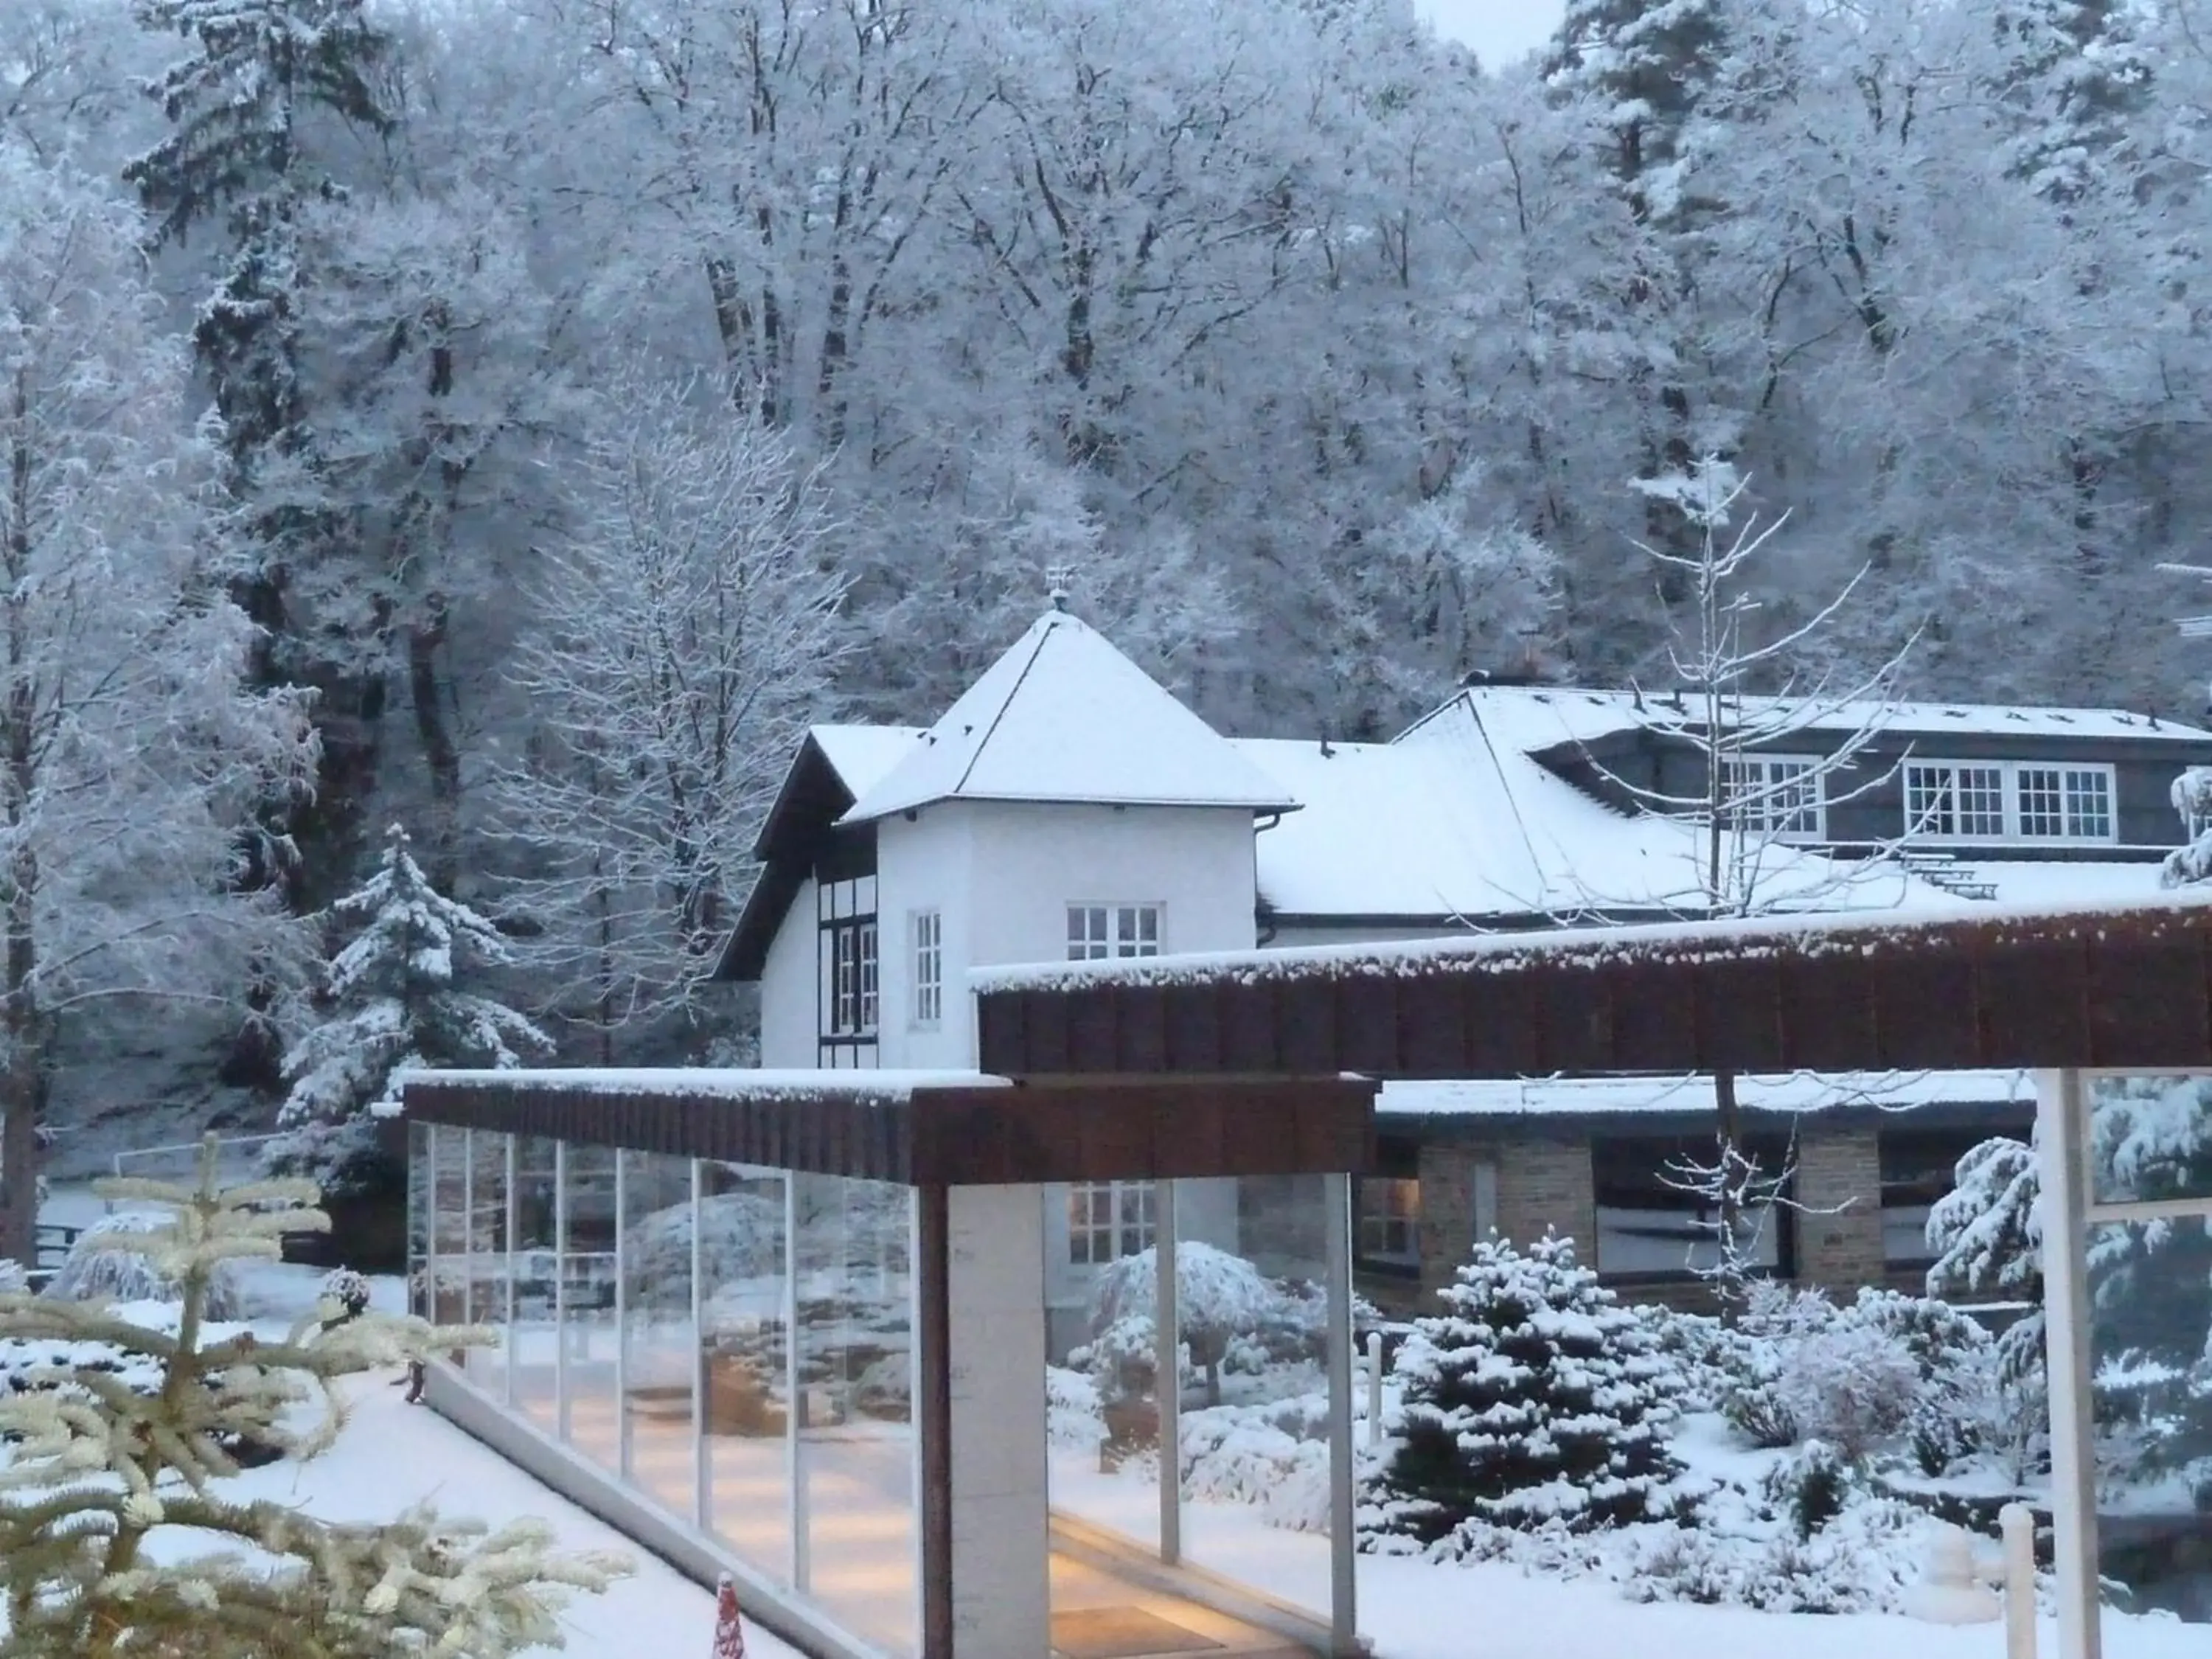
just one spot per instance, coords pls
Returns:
(1067, 806)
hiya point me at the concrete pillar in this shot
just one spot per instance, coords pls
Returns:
(1000, 1566)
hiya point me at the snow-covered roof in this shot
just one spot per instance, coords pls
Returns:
(717, 1083)
(862, 755)
(1448, 822)
(1793, 1091)
(1530, 718)
(1063, 716)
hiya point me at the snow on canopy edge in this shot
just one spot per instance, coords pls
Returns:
(717, 1083)
(1734, 938)
(1792, 1091)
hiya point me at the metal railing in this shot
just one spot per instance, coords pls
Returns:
(238, 1158)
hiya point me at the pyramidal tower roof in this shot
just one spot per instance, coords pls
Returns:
(1063, 716)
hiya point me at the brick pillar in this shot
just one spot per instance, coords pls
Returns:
(1447, 1227)
(1547, 1183)
(1839, 1169)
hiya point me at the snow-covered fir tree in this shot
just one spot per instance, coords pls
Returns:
(400, 1002)
(247, 108)
(1535, 1397)
(103, 1477)
(1986, 1234)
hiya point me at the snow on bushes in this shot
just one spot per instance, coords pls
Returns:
(101, 1266)
(1220, 1298)
(1534, 1398)
(1275, 1458)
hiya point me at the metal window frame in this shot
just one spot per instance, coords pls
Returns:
(2068, 1211)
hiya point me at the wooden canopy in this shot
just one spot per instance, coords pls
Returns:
(2074, 988)
(986, 1132)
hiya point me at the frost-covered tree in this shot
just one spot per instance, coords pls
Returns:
(133, 758)
(1219, 1297)
(685, 630)
(398, 1000)
(103, 1476)
(244, 107)
(1742, 687)
(1987, 1236)
(1534, 1398)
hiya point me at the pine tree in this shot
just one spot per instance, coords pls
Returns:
(1534, 1398)
(1646, 63)
(259, 71)
(398, 1006)
(1987, 1236)
(2076, 74)
(102, 1475)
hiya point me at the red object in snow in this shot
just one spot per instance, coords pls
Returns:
(729, 1630)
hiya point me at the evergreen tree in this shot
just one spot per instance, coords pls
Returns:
(103, 1476)
(398, 1006)
(2075, 75)
(1535, 1397)
(238, 105)
(1987, 1236)
(1646, 63)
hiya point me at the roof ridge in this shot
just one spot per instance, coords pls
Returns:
(1046, 632)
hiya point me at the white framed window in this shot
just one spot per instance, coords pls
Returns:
(927, 930)
(1099, 931)
(1107, 1220)
(1389, 1212)
(2009, 800)
(1777, 795)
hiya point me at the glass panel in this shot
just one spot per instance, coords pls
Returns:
(661, 1352)
(856, 1463)
(745, 1340)
(1101, 1377)
(486, 1367)
(2042, 809)
(449, 1227)
(588, 1329)
(2089, 804)
(2150, 1294)
(532, 1338)
(418, 1219)
(1251, 1276)
(2150, 1138)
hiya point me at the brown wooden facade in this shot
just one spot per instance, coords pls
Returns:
(2088, 989)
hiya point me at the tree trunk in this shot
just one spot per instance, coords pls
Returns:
(440, 753)
(1727, 1124)
(19, 1012)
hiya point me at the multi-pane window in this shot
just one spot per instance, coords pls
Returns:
(928, 967)
(1098, 931)
(2008, 800)
(1107, 1220)
(1390, 1220)
(1773, 795)
(849, 960)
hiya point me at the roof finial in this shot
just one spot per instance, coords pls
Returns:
(1058, 579)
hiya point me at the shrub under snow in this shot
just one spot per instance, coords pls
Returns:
(103, 1265)
(1534, 1398)
(1220, 1298)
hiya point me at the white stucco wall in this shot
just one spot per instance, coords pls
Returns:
(787, 989)
(926, 863)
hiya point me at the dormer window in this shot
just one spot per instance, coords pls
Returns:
(1098, 932)
(2009, 801)
(1777, 795)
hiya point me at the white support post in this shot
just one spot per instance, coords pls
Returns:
(1373, 1389)
(561, 1333)
(1344, 1608)
(794, 1405)
(506, 1330)
(2017, 1522)
(1167, 1367)
(622, 1312)
(427, 1306)
(700, 1473)
(2062, 1128)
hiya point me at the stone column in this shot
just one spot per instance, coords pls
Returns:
(1839, 1227)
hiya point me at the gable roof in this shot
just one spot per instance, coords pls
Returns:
(1065, 717)
(833, 766)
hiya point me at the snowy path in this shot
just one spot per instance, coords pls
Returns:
(392, 1454)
